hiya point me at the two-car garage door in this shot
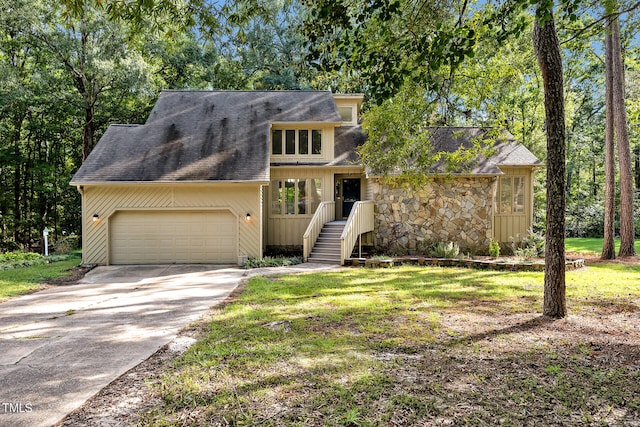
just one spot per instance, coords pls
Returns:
(168, 237)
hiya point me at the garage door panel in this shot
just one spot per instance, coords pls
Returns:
(160, 237)
(186, 244)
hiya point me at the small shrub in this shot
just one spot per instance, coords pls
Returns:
(470, 251)
(425, 247)
(66, 245)
(531, 246)
(380, 258)
(535, 241)
(17, 256)
(396, 242)
(494, 248)
(524, 254)
(446, 250)
(271, 262)
(18, 259)
(289, 251)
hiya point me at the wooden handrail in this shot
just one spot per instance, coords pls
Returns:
(326, 212)
(361, 220)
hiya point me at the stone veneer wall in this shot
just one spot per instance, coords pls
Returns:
(456, 210)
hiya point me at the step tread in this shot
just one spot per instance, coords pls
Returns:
(326, 252)
(327, 246)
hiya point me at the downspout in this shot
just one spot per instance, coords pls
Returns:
(82, 222)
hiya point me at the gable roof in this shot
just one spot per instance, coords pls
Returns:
(501, 149)
(202, 136)
(347, 140)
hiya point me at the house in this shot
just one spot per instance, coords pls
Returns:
(220, 176)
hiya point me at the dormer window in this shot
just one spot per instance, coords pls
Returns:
(296, 142)
(346, 113)
(348, 107)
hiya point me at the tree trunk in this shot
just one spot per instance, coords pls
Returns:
(85, 87)
(594, 176)
(627, 232)
(570, 167)
(547, 50)
(17, 178)
(637, 166)
(88, 134)
(608, 246)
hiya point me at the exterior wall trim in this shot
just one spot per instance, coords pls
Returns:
(305, 124)
(177, 183)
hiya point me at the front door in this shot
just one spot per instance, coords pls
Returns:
(347, 193)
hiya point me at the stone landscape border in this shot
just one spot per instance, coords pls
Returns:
(481, 264)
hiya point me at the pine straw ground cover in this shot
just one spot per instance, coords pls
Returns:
(403, 346)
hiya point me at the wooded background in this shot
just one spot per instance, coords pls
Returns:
(69, 69)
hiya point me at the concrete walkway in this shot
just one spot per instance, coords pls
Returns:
(60, 346)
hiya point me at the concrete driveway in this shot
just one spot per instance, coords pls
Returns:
(60, 346)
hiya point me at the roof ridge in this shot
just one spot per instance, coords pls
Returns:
(460, 127)
(248, 90)
(513, 146)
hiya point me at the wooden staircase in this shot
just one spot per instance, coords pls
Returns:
(327, 247)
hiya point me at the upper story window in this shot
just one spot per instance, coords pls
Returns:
(348, 107)
(296, 142)
(512, 194)
(346, 112)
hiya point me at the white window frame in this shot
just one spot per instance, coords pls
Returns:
(311, 132)
(352, 114)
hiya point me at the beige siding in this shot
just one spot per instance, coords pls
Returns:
(368, 185)
(106, 200)
(287, 230)
(514, 225)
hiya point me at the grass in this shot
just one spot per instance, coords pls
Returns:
(410, 346)
(591, 245)
(19, 281)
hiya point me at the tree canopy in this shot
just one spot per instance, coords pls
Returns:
(71, 68)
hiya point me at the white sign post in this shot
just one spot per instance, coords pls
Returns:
(45, 233)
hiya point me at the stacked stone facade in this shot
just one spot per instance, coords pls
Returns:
(458, 210)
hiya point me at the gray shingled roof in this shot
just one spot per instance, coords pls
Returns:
(202, 136)
(224, 136)
(504, 150)
(347, 140)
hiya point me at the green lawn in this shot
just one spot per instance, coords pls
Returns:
(591, 245)
(23, 280)
(413, 346)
